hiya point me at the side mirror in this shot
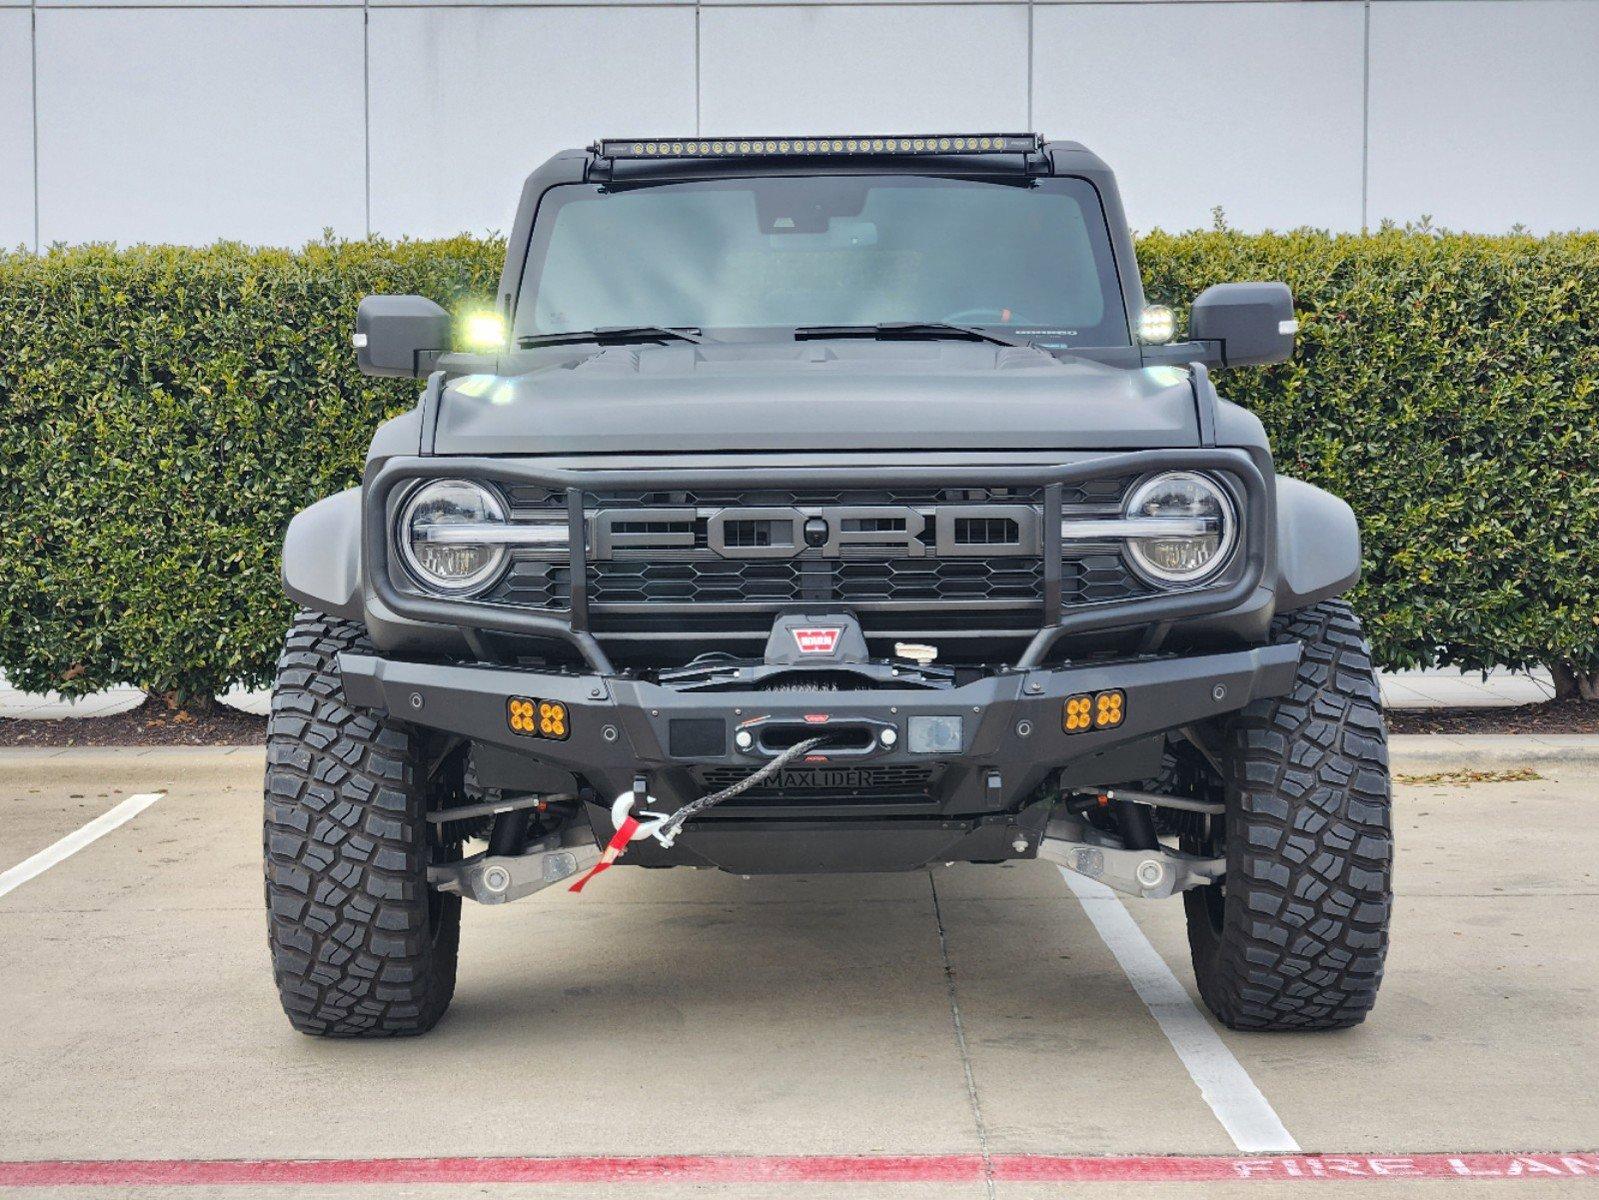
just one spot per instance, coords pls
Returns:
(1252, 322)
(400, 335)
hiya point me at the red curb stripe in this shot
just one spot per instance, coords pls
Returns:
(689, 1168)
(1281, 1168)
(675, 1167)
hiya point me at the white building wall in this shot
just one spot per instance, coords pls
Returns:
(16, 126)
(1252, 107)
(1486, 114)
(189, 120)
(190, 124)
(863, 68)
(451, 147)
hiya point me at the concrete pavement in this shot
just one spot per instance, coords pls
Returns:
(961, 1012)
(1465, 689)
(50, 706)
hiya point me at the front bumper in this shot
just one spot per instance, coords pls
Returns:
(1012, 739)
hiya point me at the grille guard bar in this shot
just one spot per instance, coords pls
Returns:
(572, 627)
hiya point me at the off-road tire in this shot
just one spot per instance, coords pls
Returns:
(1295, 936)
(361, 946)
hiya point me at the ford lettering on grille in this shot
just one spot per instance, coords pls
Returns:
(835, 531)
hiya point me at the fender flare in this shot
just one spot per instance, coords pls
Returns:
(1318, 545)
(322, 556)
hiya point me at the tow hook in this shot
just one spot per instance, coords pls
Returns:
(628, 811)
(628, 808)
(649, 823)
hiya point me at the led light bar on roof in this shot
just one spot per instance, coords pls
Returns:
(939, 143)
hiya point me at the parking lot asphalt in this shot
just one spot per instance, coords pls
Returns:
(761, 1034)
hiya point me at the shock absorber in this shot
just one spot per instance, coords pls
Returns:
(1137, 823)
(1134, 821)
(509, 834)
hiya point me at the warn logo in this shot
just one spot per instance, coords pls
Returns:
(817, 641)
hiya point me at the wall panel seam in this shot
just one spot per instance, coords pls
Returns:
(1365, 113)
(366, 108)
(1031, 68)
(33, 103)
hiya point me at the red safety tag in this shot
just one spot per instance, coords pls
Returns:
(613, 851)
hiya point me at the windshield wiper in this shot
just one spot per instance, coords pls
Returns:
(615, 335)
(930, 330)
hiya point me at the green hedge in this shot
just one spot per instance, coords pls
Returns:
(164, 411)
(1448, 388)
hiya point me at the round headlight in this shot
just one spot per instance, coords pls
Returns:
(1203, 527)
(435, 536)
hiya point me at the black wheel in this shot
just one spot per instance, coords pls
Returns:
(361, 945)
(1295, 934)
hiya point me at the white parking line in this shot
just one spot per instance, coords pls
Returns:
(103, 824)
(1244, 1112)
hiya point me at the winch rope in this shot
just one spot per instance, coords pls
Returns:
(693, 808)
(665, 831)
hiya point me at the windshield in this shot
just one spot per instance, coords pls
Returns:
(793, 251)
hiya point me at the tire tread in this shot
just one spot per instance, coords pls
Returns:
(1310, 844)
(355, 952)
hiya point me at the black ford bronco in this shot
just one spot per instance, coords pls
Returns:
(816, 505)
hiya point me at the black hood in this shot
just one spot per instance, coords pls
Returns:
(815, 396)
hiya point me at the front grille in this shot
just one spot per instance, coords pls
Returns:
(532, 583)
(928, 580)
(1087, 579)
(888, 580)
(716, 581)
(687, 563)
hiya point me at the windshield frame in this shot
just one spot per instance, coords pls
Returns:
(1104, 245)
